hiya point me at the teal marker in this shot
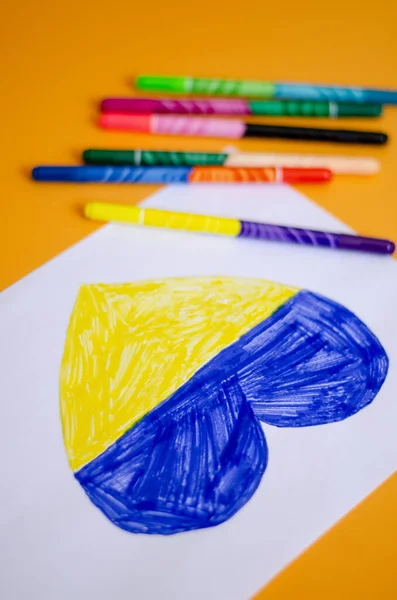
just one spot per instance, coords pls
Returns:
(265, 89)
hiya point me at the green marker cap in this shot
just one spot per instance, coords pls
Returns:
(155, 83)
(109, 157)
(305, 108)
(359, 110)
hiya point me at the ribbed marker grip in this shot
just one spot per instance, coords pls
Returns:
(309, 237)
(149, 106)
(152, 158)
(195, 126)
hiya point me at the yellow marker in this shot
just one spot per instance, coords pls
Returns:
(131, 346)
(101, 211)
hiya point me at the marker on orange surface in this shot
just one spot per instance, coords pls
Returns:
(238, 106)
(235, 228)
(353, 165)
(160, 175)
(265, 89)
(234, 129)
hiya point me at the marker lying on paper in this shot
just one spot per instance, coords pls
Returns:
(159, 175)
(237, 106)
(233, 129)
(352, 165)
(264, 89)
(234, 227)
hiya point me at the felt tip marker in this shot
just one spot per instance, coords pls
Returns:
(235, 228)
(233, 129)
(237, 106)
(265, 89)
(350, 165)
(163, 175)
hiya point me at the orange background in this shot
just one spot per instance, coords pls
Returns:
(59, 58)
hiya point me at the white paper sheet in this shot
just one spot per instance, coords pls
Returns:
(54, 543)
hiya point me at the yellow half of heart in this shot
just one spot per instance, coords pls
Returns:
(130, 346)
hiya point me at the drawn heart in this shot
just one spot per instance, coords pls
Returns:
(164, 384)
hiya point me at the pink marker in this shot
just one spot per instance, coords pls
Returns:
(233, 129)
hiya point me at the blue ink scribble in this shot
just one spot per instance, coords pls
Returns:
(198, 457)
(191, 463)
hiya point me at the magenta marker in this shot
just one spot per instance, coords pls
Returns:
(237, 106)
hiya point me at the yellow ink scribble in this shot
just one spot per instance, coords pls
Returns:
(130, 346)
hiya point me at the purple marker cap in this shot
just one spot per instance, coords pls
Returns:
(365, 244)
